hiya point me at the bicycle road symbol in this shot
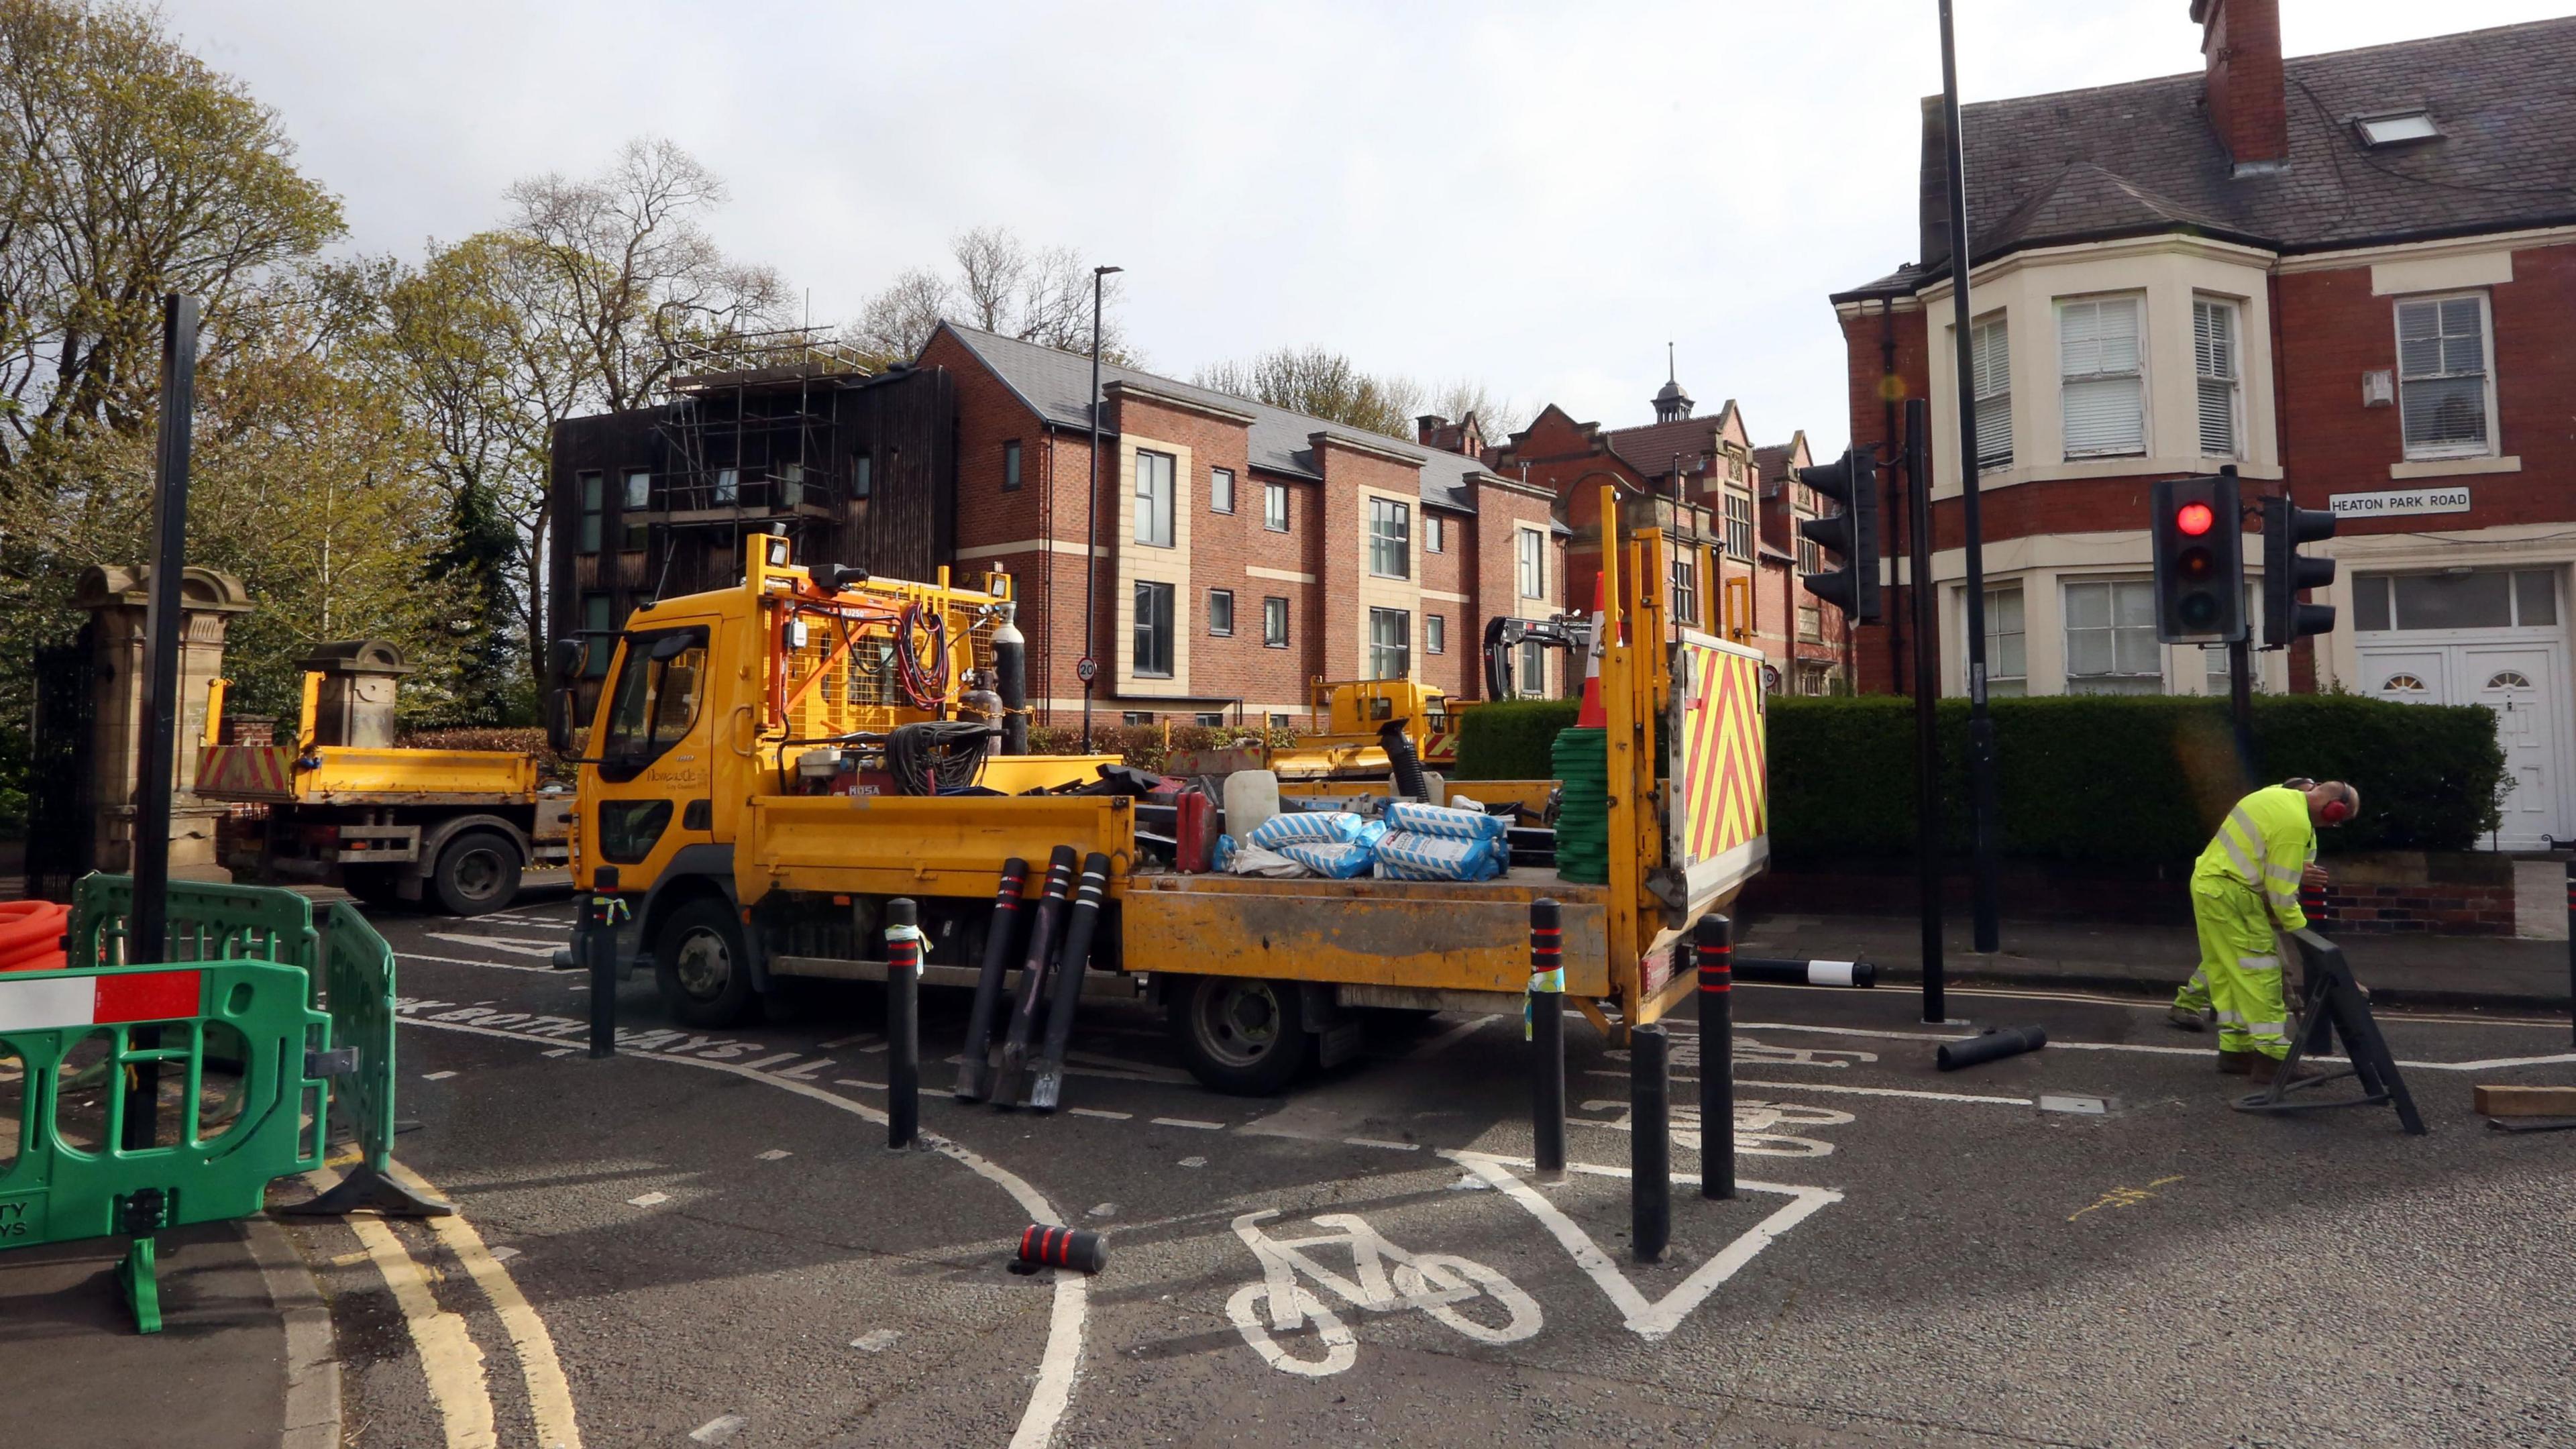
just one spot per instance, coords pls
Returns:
(1442, 1285)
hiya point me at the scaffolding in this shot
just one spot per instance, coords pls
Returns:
(748, 439)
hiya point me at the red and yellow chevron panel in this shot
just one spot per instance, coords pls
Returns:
(246, 772)
(1722, 803)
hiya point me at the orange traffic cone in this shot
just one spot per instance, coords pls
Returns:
(1592, 716)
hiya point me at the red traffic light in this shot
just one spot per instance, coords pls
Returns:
(2194, 519)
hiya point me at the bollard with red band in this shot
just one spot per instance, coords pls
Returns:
(1045, 1246)
(1545, 1008)
(2312, 904)
(903, 1022)
(1713, 938)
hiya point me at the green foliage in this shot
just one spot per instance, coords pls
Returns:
(1508, 739)
(2126, 781)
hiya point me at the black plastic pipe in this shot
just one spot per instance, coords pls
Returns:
(1650, 1143)
(1046, 1089)
(975, 1068)
(1716, 1057)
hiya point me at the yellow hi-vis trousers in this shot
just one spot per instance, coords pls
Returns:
(2240, 968)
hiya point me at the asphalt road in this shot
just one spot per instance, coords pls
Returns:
(2083, 1246)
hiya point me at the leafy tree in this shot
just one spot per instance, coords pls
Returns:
(1321, 384)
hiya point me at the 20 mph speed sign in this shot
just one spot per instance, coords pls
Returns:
(1085, 670)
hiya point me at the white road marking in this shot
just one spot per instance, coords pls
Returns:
(875, 1341)
(1052, 1389)
(719, 1430)
(1190, 1122)
(855, 1082)
(492, 965)
(1846, 1091)
(2488, 1064)
(436, 1076)
(1104, 1116)
(851, 1040)
(449, 1358)
(775, 1154)
(650, 1199)
(1653, 1319)
(549, 1396)
(1193, 1162)
(515, 945)
(1380, 1142)
(1447, 1039)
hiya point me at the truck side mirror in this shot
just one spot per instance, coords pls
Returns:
(567, 657)
(559, 715)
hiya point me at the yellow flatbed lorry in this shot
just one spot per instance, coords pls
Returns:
(457, 829)
(751, 847)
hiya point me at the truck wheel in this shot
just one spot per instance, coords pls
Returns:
(477, 873)
(1241, 1036)
(699, 965)
(372, 885)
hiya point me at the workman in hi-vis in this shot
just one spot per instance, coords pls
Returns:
(2246, 880)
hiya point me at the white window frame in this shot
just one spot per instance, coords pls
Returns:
(1529, 563)
(1685, 590)
(1529, 675)
(1990, 387)
(2018, 682)
(1389, 523)
(1227, 630)
(1736, 506)
(2228, 372)
(1435, 532)
(2066, 629)
(1274, 611)
(1220, 490)
(1162, 632)
(1435, 633)
(2066, 307)
(1274, 507)
(1157, 480)
(2486, 338)
(1401, 650)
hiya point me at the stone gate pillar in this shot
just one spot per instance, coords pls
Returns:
(119, 598)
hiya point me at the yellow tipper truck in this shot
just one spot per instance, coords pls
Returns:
(451, 828)
(770, 764)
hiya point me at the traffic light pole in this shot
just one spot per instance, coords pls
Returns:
(2240, 704)
(1927, 696)
(1981, 725)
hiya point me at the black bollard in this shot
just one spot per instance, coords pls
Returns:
(1043, 930)
(1716, 1057)
(2571, 945)
(1046, 1089)
(1546, 1001)
(2312, 904)
(903, 1022)
(601, 920)
(1997, 1044)
(975, 1068)
(1046, 1246)
(1773, 971)
(1650, 1143)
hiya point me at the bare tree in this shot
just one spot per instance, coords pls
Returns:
(1000, 285)
(1321, 384)
(899, 320)
(1496, 417)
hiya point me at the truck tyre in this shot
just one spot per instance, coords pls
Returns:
(478, 873)
(699, 965)
(1243, 1036)
(371, 885)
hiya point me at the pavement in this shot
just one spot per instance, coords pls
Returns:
(706, 1241)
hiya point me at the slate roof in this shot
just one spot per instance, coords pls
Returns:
(1058, 385)
(1649, 448)
(2142, 157)
(1773, 462)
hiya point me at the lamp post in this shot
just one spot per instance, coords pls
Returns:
(1983, 826)
(1091, 514)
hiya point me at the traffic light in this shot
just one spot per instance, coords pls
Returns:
(2200, 560)
(1852, 481)
(2286, 574)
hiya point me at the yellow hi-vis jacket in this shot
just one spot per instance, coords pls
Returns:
(2264, 844)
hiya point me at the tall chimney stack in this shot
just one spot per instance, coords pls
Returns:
(2240, 44)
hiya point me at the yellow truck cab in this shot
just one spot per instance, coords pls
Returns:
(769, 765)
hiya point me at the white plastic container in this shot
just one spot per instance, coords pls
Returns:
(1251, 796)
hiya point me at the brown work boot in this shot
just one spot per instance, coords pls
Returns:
(2268, 1070)
(2236, 1064)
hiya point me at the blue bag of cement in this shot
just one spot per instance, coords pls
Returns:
(1408, 855)
(1334, 860)
(1317, 827)
(1411, 818)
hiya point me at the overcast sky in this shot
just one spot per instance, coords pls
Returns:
(1536, 196)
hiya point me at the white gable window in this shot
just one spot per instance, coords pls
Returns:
(1993, 383)
(2213, 350)
(2100, 378)
(2445, 393)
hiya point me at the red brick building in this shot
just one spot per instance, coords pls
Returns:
(1728, 512)
(2350, 275)
(1243, 551)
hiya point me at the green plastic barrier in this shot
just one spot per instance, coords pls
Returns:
(353, 979)
(235, 1040)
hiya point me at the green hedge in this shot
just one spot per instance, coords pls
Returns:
(2126, 781)
(1508, 739)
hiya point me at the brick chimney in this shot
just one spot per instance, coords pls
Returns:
(1428, 428)
(2240, 41)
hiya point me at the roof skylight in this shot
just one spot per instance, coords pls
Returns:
(2391, 130)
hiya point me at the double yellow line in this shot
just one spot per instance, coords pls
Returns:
(449, 1358)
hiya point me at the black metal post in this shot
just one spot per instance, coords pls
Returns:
(975, 1065)
(599, 924)
(1072, 965)
(147, 927)
(903, 1022)
(2240, 709)
(2571, 945)
(1927, 695)
(1715, 940)
(1982, 807)
(1650, 1143)
(1091, 510)
(1547, 1039)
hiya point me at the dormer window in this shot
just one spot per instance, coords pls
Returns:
(2396, 128)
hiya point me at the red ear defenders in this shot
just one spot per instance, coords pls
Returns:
(2336, 811)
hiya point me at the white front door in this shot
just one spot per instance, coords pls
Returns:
(2518, 685)
(2408, 676)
